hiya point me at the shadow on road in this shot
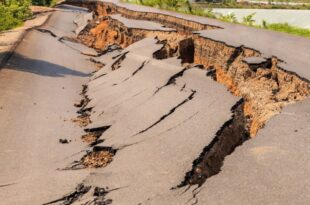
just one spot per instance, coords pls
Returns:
(21, 63)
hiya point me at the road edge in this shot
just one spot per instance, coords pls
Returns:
(7, 54)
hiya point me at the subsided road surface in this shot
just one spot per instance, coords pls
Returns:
(180, 111)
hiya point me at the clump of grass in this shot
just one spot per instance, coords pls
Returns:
(286, 28)
(203, 12)
(231, 17)
(249, 19)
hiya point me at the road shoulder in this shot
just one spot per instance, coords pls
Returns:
(10, 39)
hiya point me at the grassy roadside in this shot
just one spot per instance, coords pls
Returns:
(245, 5)
(279, 27)
(183, 6)
(286, 28)
(50, 3)
(14, 12)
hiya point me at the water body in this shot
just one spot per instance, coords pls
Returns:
(300, 18)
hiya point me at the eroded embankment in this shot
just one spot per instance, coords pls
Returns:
(264, 87)
(106, 8)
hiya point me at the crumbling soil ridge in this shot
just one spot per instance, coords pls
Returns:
(109, 8)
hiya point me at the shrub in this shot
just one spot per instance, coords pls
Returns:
(13, 13)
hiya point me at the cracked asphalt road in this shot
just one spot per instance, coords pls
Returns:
(38, 87)
(155, 115)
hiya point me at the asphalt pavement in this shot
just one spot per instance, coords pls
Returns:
(160, 116)
(38, 87)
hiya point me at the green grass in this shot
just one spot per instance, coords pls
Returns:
(245, 5)
(42, 2)
(54, 2)
(287, 1)
(181, 6)
(13, 13)
(286, 28)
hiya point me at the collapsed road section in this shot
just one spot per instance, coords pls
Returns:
(242, 70)
(179, 95)
(178, 109)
